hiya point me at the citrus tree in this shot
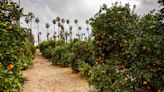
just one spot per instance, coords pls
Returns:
(129, 51)
(15, 52)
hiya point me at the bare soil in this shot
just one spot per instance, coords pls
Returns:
(45, 77)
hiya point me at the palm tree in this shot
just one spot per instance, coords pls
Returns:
(63, 21)
(62, 34)
(58, 20)
(68, 21)
(66, 35)
(54, 22)
(37, 22)
(76, 22)
(62, 27)
(47, 26)
(87, 22)
(31, 17)
(82, 35)
(70, 32)
(40, 35)
(79, 31)
(27, 21)
(59, 26)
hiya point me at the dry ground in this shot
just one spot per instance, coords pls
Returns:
(44, 77)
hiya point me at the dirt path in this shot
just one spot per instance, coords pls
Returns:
(43, 77)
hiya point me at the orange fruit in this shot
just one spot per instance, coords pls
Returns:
(13, 18)
(160, 90)
(133, 58)
(134, 55)
(158, 69)
(115, 42)
(97, 34)
(104, 42)
(122, 66)
(1, 17)
(125, 41)
(144, 82)
(9, 27)
(0, 64)
(104, 34)
(144, 48)
(97, 42)
(110, 37)
(7, 90)
(148, 88)
(113, 18)
(10, 66)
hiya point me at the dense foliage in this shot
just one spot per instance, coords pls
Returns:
(126, 53)
(131, 49)
(15, 51)
(67, 54)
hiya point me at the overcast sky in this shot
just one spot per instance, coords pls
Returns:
(47, 10)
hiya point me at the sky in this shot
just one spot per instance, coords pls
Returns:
(47, 10)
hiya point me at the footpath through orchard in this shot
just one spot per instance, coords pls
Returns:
(44, 77)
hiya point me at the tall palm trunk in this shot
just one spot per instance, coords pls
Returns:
(54, 33)
(78, 31)
(88, 32)
(47, 34)
(31, 31)
(38, 34)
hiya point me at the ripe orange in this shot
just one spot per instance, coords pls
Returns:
(13, 18)
(113, 18)
(144, 48)
(1, 17)
(144, 82)
(97, 62)
(160, 90)
(104, 34)
(0, 64)
(133, 58)
(97, 42)
(158, 69)
(125, 41)
(10, 27)
(115, 42)
(134, 55)
(8, 90)
(110, 37)
(148, 88)
(10, 66)
(104, 42)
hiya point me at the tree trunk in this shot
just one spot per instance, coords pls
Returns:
(38, 34)
(47, 34)
(54, 33)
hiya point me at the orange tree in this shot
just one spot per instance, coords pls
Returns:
(113, 28)
(129, 51)
(15, 52)
(82, 53)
